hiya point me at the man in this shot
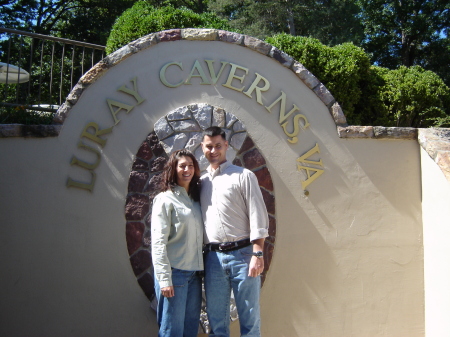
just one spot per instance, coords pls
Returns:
(236, 224)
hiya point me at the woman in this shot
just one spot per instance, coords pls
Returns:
(177, 238)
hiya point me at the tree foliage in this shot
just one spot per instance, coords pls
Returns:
(400, 32)
(143, 19)
(415, 97)
(371, 95)
(341, 68)
(81, 20)
(330, 21)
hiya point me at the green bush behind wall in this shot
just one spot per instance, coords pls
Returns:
(143, 19)
(371, 95)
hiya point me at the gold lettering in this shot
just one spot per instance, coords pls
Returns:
(282, 100)
(120, 106)
(95, 136)
(162, 74)
(212, 73)
(311, 173)
(296, 130)
(197, 67)
(76, 161)
(84, 186)
(89, 167)
(254, 87)
(133, 92)
(232, 75)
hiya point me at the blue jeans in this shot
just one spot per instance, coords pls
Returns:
(180, 315)
(225, 271)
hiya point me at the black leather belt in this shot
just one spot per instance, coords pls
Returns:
(227, 246)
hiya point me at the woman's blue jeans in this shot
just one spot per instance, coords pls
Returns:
(225, 271)
(179, 316)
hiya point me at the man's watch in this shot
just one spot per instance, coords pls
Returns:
(258, 254)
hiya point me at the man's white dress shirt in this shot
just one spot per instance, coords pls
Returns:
(232, 205)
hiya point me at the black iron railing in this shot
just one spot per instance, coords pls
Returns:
(38, 71)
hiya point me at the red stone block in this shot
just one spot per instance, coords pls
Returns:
(264, 178)
(145, 152)
(137, 206)
(158, 164)
(253, 159)
(141, 261)
(137, 181)
(147, 240)
(134, 235)
(247, 145)
(140, 165)
(170, 35)
(269, 200)
(272, 228)
(148, 286)
(268, 253)
(153, 186)
(237, 162)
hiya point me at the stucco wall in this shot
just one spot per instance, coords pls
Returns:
(436, 235)
(348, 259)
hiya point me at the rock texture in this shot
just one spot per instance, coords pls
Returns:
(437, 144)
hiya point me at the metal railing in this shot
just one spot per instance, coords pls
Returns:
(38, 71)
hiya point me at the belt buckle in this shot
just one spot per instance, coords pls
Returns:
(225, 246)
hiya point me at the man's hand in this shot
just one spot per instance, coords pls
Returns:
(168, 291)
(256, 266)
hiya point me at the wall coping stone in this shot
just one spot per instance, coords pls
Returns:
(436, 142)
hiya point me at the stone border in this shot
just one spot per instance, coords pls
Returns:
(437, 144)
(27, 131)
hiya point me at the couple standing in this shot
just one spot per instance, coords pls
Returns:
(229, 227)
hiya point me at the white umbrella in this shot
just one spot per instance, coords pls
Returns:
(13, 74)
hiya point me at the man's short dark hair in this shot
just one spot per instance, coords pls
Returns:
(213, 131)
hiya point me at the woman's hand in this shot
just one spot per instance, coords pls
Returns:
(168, 291)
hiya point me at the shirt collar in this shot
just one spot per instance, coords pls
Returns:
(222, 167)
(178, 190)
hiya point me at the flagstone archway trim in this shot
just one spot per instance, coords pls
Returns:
(194, 34)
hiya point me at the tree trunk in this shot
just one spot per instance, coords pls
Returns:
(290, 19)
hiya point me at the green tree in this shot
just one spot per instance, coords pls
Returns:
(405, 32)
(82, 20)
(143, 19)
(415, 97)
(330, 21)
(197, 6)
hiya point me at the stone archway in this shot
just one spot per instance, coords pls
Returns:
(182, 128)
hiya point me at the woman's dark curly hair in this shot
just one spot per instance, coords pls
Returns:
(169, 175)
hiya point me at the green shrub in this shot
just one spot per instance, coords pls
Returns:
(340, 68)
(20, 115)
(143, 19)
(415, 97)
(371, 95)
